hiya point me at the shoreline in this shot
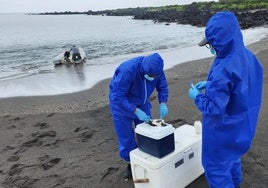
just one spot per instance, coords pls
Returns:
(95, 100)
(69, 140)
(65, 79)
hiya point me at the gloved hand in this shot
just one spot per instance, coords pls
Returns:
(201, 85)
(163, 109)
(142, 115)
(193, 91)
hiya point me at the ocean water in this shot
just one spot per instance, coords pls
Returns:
(29, 43)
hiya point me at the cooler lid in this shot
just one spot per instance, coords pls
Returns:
(155, 132)
(188, 130)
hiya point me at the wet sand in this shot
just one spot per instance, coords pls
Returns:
(69, 140)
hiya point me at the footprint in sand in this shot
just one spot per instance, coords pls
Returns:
(55, 143)
(110, 170)
(11, 126)
(47, 162)
(16, 119)
(177, 122)
(7, 148)
(15, 169)
(41, 125)
(47, 134)
(86, 135)
(77, 129)
(34, 142)
(51, 114)
(18, 135)
(13, 158)
(37, 141)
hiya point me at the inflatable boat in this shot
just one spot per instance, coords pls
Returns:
(70, 58)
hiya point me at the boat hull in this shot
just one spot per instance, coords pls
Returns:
(61, 60)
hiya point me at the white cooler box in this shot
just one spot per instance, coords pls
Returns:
(175, 170)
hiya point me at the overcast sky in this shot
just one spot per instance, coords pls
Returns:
(26, 6)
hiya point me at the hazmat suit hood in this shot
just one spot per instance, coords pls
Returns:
(152, 64)
(224, 34)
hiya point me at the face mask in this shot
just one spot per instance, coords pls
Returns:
(146, 76)
(212, 51)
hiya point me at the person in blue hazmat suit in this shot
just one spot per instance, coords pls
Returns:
(130, 89)
(230, 102)
(76, 54)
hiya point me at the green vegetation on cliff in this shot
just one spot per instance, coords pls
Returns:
(250, 13)
(233, 5)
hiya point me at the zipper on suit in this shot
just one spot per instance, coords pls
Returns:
(145, 89)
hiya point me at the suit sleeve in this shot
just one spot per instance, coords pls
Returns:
(216, 97)
(162, 88)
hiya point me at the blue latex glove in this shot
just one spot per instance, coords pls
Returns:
(201, 85)
(193, 91)
(163, 109)
(142, 115)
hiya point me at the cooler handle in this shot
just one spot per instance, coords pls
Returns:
(141, 180)
(145, 180)
(188, 149)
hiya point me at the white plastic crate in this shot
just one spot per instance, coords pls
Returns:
(175, 170)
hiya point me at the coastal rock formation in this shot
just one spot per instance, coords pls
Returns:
(195, 17)
(197, 14)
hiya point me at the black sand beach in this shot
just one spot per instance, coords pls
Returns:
(69, 140)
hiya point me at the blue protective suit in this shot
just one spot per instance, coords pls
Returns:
(231, 103)
(130, 90)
